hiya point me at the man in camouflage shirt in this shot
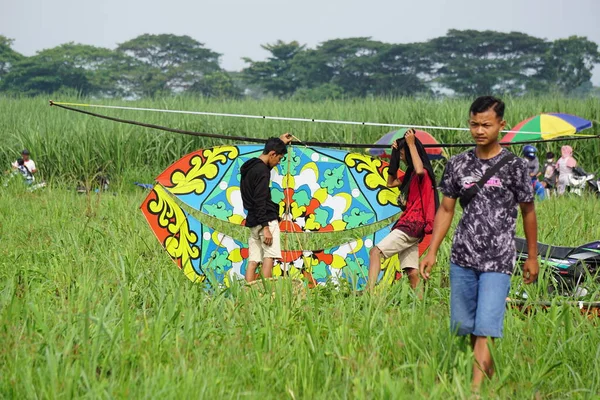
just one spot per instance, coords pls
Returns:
(483, 249)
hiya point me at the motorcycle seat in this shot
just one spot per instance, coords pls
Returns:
(544, 250)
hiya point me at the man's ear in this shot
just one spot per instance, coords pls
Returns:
(502, 124)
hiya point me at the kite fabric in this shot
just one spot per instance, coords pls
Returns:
(317, 189)
(205, 255)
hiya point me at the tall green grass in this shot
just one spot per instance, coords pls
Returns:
(72, 146)
(91, 306)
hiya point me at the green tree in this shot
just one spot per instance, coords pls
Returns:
(8, 57)
(353, 63)
(402, 70)
(478, 62)
(217, 85)
(105, 69)
(568, 65)
(39, 75)
(176, 62)
(108, 73)
(276, 75)
(311, 70)
(135, 79)
(360, 67)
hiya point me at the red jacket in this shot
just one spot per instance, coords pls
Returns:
(417, 219)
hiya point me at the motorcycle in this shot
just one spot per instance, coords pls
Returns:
(594, 186)
(569, 265)
(580, 179)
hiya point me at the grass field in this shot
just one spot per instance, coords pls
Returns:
(72, 146)
(92, 307)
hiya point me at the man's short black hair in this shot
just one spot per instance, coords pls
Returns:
(276, 145)
(549, 155)
(484, 103)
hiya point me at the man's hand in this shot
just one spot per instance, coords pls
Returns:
(286, 138)
(427, 264)
(268, 236)
(410, 137)
(530, 270)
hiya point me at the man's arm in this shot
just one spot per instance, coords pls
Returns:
(262, 193)
(414, 154)
(441, 224)
(416, 159)
(392, 181)
(531, 267)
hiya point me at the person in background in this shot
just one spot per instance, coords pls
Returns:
(24, 171)
(550, 173)
(565, 165)
(28, 163)
(533, 167)
(25, 167)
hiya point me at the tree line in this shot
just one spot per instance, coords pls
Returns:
(463, 62)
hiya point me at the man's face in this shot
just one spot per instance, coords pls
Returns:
(485, 127)
(25, 157)
(274, 159)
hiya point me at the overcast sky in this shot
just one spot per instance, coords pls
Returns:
(237, 28)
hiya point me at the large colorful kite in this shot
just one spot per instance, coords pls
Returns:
(318, 190)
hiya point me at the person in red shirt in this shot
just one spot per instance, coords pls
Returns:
(418, 200)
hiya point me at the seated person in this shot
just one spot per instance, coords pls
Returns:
(22, 168)
(27, 162)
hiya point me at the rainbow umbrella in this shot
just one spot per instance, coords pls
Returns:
(434, 153)
(549, 126)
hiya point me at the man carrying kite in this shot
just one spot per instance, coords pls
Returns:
(262, 218)
(418, 200)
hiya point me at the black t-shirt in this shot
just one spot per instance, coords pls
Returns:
(485, 236)
(256, 193)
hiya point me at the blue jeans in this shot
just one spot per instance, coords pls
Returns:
(477, 301)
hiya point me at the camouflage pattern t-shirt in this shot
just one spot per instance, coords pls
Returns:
(485, 236)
